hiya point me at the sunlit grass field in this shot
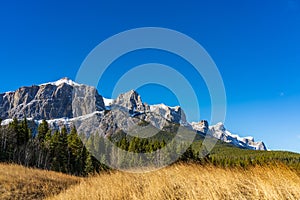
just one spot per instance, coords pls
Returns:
(178, 181)
(190, 181)
(18, 182)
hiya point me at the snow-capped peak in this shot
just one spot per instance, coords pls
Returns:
(163, 106)
(219, 131)
(155, 106)
(62, 81)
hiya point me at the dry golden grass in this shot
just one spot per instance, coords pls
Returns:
(190, 181)
(17, 182)
(181, 181)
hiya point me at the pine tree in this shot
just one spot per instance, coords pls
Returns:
(124, 144)
(53, 145)
(63, 150)
(90, 144)
(14, 125)
(89, 167)
(132, 145)
(75, 147)
(59, 150)
(74, 142)
(25, 132)
(42, 130)
(48, 137)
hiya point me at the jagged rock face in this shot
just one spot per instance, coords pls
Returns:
(219, 131)
(158, 115)
(86, 100)
(12, 102)
(50, 101)
(201, 126)
(67, 103)
(86, 124)
(130, 101)
(173, 114)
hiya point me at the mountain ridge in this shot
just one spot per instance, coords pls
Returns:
(65, 102)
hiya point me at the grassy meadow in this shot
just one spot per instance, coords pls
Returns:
(18, 182)
(190, 181)
(178, 181)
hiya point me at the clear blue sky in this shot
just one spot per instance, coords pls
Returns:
(255, 44)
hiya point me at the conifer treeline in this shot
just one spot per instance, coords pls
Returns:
(65, 152)
(126, 152)
(57, 151)
(73, 153)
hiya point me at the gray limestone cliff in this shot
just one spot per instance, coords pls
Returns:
(51, 101)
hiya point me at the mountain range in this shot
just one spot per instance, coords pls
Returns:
(65, 102)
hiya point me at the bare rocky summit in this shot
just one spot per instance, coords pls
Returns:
(51, 101)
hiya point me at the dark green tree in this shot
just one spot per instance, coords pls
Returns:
(54, 142)
(25, 132)
(14, 125)
(75, 147)
(62, 150)
(59, 151)
(43, 129)
(89, 167)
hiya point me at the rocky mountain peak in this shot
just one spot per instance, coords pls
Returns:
(158, 115)
(131, 101)
(201, 126)
(219, 131)
(174, 114)
(62, 98)
(219, 127)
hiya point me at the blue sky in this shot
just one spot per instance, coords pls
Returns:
(255, 44)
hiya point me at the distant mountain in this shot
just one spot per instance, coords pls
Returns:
(65, 102)
(219, 131)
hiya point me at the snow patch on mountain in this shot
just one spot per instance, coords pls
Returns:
(164, 107)
(6, 122)
(65, 120)
(107, 102)
(62, 81)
